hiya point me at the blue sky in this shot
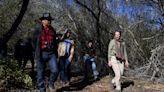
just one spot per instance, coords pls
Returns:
(119, 7)
(69, 2)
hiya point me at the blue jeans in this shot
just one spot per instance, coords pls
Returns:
(41, 66)
(90, 61)
(64, 65)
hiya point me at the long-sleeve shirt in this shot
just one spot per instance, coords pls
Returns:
(112, 50)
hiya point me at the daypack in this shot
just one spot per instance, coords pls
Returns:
(65, 47)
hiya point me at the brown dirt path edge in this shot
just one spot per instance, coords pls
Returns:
(128, 84)
(102, 85)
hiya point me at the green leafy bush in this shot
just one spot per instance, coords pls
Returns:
(13, 77)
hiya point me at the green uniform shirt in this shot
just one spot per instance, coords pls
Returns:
(112, 49)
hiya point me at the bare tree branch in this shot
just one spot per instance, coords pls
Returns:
(85, 6)
(13, 28)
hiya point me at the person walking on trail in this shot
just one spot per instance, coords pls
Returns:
(65, 53)
(44, 43)
(117, 57)
(89, 60)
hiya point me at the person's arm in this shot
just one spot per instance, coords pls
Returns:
(34, 40)
(71, 53)
(35, 37)
(110, 46)
(125, 53)
(126, 56)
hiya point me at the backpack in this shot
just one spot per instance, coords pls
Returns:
(65, 47)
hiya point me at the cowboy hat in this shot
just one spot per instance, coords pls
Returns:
(46, 16)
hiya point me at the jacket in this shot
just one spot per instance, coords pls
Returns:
(112, 49)
(36, 41)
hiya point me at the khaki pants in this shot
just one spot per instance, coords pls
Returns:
(118, 69)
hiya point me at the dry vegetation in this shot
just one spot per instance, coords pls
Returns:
(97, 19)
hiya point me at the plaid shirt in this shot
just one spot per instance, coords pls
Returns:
(47, 39)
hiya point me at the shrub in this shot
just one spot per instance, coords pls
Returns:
(13, 77)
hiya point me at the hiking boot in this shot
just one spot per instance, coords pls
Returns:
(95, 77)
(112, 85)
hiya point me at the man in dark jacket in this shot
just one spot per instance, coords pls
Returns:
(44, 43)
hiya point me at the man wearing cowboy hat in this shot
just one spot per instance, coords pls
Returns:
(44, 43)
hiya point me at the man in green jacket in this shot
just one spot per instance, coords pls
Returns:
(117, 57)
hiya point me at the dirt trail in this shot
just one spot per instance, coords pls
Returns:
(102, 85)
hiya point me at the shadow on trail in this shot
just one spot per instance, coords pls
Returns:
(126, 84)
(78, 85)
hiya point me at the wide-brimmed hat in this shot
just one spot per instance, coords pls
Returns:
(67, 31)
(46, 16)
(64, 31)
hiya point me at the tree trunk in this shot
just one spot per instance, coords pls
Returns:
(13, 28)
(96, 17)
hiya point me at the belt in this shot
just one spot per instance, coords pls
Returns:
(47, 50)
